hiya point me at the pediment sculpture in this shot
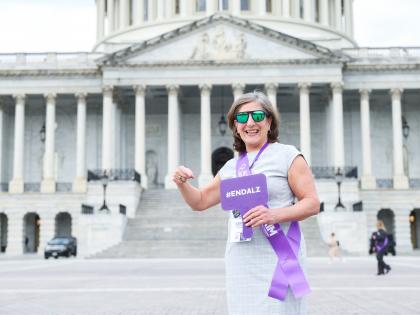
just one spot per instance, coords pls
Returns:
(218, 47)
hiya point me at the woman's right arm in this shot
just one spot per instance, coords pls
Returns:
(197, 199)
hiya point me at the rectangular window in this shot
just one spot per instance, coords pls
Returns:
(177, 8)
(269, 6)
(145, 10)
(200, 5)
(245, 5)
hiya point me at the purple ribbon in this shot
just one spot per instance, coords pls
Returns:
(288, 271)
(379, 248)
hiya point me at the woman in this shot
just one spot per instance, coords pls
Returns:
(381, 242)
(250, 263)
(333, 244)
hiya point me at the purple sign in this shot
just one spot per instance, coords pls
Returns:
(244, 193)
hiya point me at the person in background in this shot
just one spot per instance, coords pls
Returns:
(380, 246)
(334, 248)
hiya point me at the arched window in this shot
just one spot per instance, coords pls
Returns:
(200, 5)
(245, 5)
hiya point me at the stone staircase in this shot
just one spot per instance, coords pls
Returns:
(315, 246)
(165, 227)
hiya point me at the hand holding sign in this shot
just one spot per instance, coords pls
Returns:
(244, 193)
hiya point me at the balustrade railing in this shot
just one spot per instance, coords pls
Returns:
(49, 58)
(390, 52)
(114, 175)
(329, 172)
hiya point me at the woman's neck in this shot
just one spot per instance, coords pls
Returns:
(250, 149)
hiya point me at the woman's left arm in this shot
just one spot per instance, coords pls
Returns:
(302, 184)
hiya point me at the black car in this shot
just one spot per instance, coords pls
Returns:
(61, 246)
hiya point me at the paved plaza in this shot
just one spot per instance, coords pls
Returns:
(193, 286)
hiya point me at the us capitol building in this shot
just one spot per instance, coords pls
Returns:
(85, 137)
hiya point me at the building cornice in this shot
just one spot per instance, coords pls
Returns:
(381, 67)
(49, 72)
(221, 63)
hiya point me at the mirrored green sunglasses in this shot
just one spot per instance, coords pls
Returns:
(257, 116)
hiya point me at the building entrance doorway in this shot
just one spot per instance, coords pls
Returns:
(32, 223)
(63, 224)
(219, 158)
(415, 228)
(3, 232)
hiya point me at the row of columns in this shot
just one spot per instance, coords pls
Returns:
(48, 183)
(120, 14)
(108, 134)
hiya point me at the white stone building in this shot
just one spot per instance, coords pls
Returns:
(151, 96)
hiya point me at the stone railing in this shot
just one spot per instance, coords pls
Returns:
(62, 59)
(114, 175)
(328, 172)
(383, 53)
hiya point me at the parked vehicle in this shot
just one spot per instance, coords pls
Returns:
(61, 246)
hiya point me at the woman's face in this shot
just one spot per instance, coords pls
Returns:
(253, 134)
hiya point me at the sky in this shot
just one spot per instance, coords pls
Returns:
(70, 26)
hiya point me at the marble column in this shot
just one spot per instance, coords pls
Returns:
(307, 10)
(286, 8)
(110, 16)
(124, 18)
(138, 14)
(17, 185)
(337, 123)
(152, 10)
(205, 175)
(211, 7)
(80, 182)
(100, 13)
(296, 9)
(323, 12)
(338, 15)
(49, 176)
(271, 91)
(238, 90)
(236, 7)
(173, 134)
(183, 8)
(160, 10)
(348, 4)
(107, 110)
(400, 179)
(368, 181)
(261, 8)
(140, 134)
(305, 121)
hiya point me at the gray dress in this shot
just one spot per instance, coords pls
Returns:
(250, 265)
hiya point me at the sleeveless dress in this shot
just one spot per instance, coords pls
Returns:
(250, 265)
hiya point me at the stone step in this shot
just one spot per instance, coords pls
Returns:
(166, 249)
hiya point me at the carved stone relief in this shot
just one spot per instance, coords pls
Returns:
(219, 47)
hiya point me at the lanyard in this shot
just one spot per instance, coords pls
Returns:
(242, 167)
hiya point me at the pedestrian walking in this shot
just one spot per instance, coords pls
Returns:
(334, 248)
(380, 243)
(277, 245)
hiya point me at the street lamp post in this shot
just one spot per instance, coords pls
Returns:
(104, 181)
(339, 179)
